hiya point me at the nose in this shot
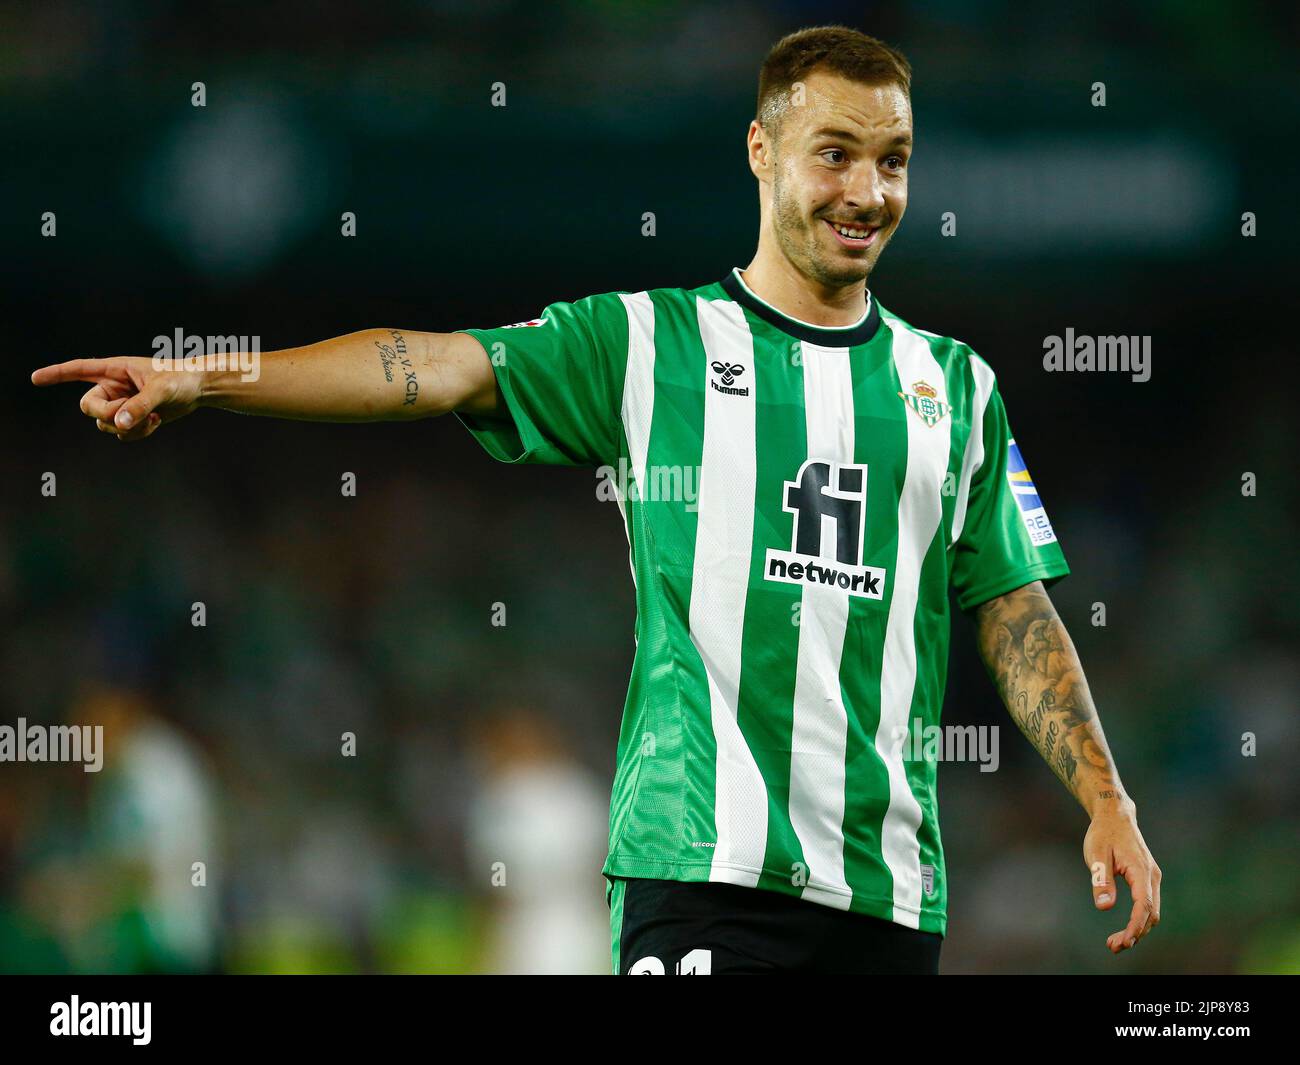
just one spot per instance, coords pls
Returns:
(864, 190)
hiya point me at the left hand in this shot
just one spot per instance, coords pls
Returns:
(1114, 845)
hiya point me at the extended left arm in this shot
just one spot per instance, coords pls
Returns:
(1035, 667)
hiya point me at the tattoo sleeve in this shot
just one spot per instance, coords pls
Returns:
(1034, 666)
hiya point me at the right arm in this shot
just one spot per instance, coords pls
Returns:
(372, 375)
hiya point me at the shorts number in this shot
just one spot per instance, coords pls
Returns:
(698, 962)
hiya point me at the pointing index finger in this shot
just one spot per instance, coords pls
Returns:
(91, 370)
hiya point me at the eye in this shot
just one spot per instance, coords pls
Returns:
(834, 151)
(895, 162)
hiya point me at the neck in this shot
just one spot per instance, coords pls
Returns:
(775, 280)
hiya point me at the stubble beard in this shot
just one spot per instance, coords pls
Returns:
(799, 241)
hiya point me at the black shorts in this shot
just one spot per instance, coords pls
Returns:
(667, 927)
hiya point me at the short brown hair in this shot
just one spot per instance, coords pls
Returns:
(833, 49)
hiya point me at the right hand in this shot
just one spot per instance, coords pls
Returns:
(130, 397)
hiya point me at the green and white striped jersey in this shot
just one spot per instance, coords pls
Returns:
(797, 501)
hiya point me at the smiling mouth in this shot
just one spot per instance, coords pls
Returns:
(852, 236)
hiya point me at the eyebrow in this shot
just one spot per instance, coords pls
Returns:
(902, 139)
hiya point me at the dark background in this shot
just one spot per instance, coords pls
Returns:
(479, 743)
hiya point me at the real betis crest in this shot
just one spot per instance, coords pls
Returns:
(922, 399)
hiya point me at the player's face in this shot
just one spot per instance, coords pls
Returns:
(840, 163)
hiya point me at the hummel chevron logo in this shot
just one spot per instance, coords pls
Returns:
(728, 372)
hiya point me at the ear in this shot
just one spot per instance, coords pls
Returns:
(760, 151)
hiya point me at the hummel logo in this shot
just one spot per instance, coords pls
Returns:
(729, 371)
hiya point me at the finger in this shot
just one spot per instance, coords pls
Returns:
(1103, 881)
(1139, 883)
(97, 404)
(142, 429)
(1147, 925)
(136, 409)
(1153, 916)
(154, 420)
(74, 370)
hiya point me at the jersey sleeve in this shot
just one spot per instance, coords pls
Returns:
(562, 379)
(1006, 540)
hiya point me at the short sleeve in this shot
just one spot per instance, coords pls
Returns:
(562, 379)
(1006, 540)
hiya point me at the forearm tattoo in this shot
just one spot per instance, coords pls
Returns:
(1034, 666)
(396, 360)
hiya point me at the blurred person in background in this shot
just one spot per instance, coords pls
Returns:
(536, 836)
(119, 887)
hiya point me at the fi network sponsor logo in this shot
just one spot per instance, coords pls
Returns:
(829, 503)
(53, 743)
(102, 1018)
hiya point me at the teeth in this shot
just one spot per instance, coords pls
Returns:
(857, 234)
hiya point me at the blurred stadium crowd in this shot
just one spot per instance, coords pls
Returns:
(467, 832)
